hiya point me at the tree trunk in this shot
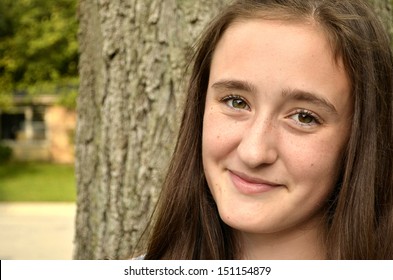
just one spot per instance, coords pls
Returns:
(132, 57)
(384, 9)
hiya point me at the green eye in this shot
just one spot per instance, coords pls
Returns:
(238, 104)
(306, 118)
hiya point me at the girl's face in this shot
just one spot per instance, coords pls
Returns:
(276, 123)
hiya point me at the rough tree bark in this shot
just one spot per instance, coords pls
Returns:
(384, 8)
(132, 57)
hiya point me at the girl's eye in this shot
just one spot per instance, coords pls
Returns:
(236, 102)
(305, 118)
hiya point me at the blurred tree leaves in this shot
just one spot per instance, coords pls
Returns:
(38, 47)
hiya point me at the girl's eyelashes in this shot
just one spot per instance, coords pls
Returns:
(236, 102)
(306, 118)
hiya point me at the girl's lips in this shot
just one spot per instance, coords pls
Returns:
(250, 185)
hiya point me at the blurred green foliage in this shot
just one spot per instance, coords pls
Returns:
(38, 47)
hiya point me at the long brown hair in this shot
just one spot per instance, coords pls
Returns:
(359, 220)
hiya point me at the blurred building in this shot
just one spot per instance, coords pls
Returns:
(39, 129)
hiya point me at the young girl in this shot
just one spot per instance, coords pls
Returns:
(285, 147)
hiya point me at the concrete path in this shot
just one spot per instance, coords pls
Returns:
(36, 231)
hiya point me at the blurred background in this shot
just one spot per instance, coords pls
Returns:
(38, 89)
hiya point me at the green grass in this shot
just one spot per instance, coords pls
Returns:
(36, 182)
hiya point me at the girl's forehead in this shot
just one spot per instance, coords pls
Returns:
(300, 38)
(284, 29)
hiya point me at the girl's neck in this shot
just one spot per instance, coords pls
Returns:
(300, 244)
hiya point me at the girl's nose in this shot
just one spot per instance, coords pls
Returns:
(258, 145)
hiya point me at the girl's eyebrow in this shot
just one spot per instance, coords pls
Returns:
(235, 85)
(301, 95)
